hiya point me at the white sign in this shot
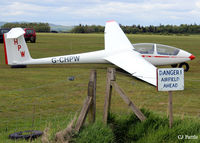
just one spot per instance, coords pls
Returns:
(170, 79)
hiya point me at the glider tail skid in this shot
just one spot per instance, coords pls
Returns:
(120, 52)
(15, 48)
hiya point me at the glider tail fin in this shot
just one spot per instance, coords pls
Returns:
(115, 39)
(16, 50)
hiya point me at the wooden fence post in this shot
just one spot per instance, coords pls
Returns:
(83, 114)
(170, 109)
(85, 108)
(92, 93)
(110, 77)
(137, 112)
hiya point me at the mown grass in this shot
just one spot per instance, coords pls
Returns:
(56, 99)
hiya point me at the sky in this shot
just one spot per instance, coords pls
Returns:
(125, 12)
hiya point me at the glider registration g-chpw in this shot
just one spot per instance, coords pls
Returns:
(137, 59)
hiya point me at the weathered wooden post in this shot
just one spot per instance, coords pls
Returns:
(110, 77)
(84, 110)
(90, 103)
(137, 111)
(88, 106)
(111, 83)
(170, 109)
(92, 92)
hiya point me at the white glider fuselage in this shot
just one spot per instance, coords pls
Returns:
(158, 60)
(137, 59)
(99, 57)
(89, 57)
(158, 54)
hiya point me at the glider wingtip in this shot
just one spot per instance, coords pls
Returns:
(110, 21)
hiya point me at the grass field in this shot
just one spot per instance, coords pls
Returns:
(41, 95)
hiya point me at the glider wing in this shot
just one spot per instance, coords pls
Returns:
(120, 52)
(135, 65)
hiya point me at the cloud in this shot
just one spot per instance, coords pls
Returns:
(128, 12)
(198, 4)
(17, 8)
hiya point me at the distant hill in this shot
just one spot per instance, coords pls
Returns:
(2, 23)
(54, 27)
(60, 28)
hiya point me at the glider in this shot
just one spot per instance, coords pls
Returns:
(158, 54)
(118, 51)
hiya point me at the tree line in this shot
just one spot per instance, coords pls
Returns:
(39, 27)
(161, 29)
(88, 29)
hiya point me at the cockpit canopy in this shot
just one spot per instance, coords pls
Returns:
(151, 48)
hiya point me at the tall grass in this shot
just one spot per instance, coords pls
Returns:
(128, 128)
(96, 133)
(154, 129)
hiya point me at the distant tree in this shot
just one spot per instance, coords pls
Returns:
(88, 29)
(39, 27)
(162, 29)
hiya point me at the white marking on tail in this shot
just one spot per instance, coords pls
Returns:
(16, 50)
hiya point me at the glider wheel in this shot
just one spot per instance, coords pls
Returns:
(174, 65)
(185, 66)
(30, 134)
(32, 39)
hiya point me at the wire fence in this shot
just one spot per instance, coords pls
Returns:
(61, 106)
(151, 101)
(38, 110)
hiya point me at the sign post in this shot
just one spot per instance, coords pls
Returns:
(170, 79)
(170, 109)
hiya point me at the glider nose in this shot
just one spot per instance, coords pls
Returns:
(192, 57)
